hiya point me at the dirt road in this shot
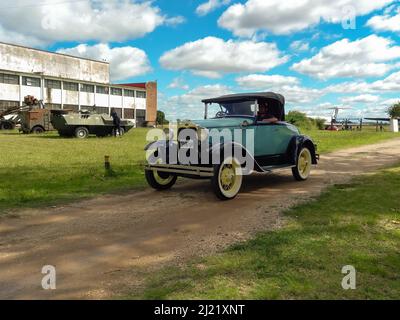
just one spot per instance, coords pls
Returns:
(102, 247)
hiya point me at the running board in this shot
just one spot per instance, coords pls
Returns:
(267, 169)
(182, 169)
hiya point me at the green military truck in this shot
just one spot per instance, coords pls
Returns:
(84, 123)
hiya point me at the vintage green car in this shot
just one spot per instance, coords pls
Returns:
(240, 134)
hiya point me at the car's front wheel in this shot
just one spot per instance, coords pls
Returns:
(302, 169)
(227, 179)
(160, 180)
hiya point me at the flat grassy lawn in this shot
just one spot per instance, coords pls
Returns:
(329, 141)
(356, 224)
(47, 169)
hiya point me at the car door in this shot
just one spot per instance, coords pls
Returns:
(267, 139)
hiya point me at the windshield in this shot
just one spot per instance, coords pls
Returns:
(231, 109)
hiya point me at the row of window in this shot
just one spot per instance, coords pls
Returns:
(9, 78)
(70, 86)
(5, 104)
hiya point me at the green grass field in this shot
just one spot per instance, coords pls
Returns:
(356, 224)
(47, 169)
(329, 141)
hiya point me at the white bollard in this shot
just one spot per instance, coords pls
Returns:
(394, 125)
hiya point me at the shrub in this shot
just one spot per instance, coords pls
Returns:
(320, 123)
(300, 119)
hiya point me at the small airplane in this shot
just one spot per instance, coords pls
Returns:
(335, 121)
(336, 112)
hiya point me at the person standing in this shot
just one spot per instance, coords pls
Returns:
(116, 122)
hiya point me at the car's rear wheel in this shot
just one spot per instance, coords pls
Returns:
(81, 133)
(302, 169)
(160, 180)
(227, 179)
(37, 130)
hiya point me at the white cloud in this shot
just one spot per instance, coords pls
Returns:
(104, 21)
(211, 57)
(285, 17)
(288, 86)
(259, 81)
(364, 98)
(211, 5)
(10, 36)
(388, 84)
(125, 62)
(178, 83)
(389, 102)
(299, 94)
(386, 22)
(300, 46)
(367, 57)
(174, 21)
(189, 105)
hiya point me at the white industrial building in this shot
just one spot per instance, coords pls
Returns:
(68, 82)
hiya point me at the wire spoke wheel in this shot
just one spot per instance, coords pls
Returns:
(227, 179)
(303, 167)
(162, 178)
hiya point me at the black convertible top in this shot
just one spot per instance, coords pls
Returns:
(247, 96)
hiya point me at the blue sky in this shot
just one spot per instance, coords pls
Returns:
(201, 48)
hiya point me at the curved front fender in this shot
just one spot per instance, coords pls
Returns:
(238, 150)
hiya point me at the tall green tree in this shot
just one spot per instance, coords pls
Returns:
(394, 110)
(161, 118)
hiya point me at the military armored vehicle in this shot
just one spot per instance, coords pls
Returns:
(34, 117)
(86, 122)
(35, 121)
(9, 118)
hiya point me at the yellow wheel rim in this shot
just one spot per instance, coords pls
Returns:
(160, 180)
(230, 177)
(304, 163)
